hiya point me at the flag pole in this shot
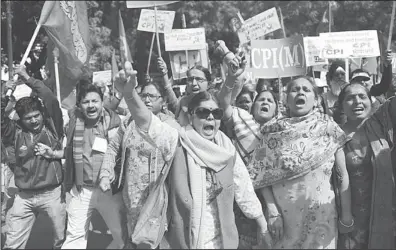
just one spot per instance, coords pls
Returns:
(330, 17)
(25, 56)
(185, 26)
(156, 30)
(56, 56)
(281, 22)
(391, 26)
(151, 50)
(9, 40)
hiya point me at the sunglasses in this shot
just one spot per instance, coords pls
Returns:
(203, 113)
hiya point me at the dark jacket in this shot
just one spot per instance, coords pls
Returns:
(180, 206)
(113, 122)
(36, 172)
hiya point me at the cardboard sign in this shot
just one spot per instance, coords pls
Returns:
(259, 25)
(278, 57)
(179, 63)
(394, 63)
(164, 21)
(313, 47)
(102, 78)
(185, 39)
(146, 4)
(350, 44)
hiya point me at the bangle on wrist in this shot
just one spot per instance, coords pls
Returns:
(342, 224)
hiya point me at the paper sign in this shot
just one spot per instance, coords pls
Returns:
(394, 63)
(146, 4)
(102, 78)
(259, 25)
(313, 47)
(278, 57)
(369, 64)
(185, 39)
(164, 21)
(350, 44)
(179, 63)
(21, 90)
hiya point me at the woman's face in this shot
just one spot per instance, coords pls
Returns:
(91, 105)
(244, 101)
(152, 98)
(338, 81)
(357, 103)
(301, 98)
(196, 81)
(264, 107)
(206, 119)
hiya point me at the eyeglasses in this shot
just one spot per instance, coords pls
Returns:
(198, 79)
(152, 97)
(203, 113)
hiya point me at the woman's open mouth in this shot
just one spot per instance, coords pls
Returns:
(208, 130)
(300, 102)
(358, 110)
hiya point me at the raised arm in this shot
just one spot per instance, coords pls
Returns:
(171, 97)
(386, 79)
(49, 99)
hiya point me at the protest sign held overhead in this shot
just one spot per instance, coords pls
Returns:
(164, 21)
(179, 65)
(102, 78)
(313, 47)
(185, 39)
(278, 57)
(259, 25)
(146, 4)
(350, 44)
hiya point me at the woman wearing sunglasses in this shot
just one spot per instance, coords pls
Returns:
(205, 177)
(141, 162)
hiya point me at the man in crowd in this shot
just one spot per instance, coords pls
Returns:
(38, 179)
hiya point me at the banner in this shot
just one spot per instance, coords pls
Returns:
(313, 47)
(102, 78)
(185, 39)
(164, 21)
(350, 44)
(278, 57)
(259, 25)
(179, 63)
(146, 4)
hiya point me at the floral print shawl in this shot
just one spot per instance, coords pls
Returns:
(293, 147)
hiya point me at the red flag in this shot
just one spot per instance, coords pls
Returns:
(66, 23)
(124, 48)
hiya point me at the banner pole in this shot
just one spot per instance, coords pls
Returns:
(156, 30)
(391, 26)
(56, 56)
(185, 26)
(9, 40)
(151, 50)
(346, 69)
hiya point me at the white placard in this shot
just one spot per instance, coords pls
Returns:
(146, 4)
(164, 21)
(259, 25)
(179, 62)
(102, 78)
(350, 44)
(185, 39)
(313, 47)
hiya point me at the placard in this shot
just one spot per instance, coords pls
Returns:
(259, 25)
(164, 21)
(313, 47)
(102, 78)
(278, 57)
(179, 63)
(350, 44)
(146, 4)
(185, 39)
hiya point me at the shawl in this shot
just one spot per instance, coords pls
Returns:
(293, 147)
(203, 154)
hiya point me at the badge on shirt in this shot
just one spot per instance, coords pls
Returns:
(100, 145)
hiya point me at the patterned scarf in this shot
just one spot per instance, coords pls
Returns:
(293, 147)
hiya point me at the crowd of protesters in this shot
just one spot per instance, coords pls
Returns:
(220, 166)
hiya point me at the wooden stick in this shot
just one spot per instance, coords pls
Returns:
(9, 40)
(25, 56)
(281, 22)
(184, 25)
(156, 31)
(330, 17)
(56, 56)
(151, 50)
(346, 69)
(391, 26)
